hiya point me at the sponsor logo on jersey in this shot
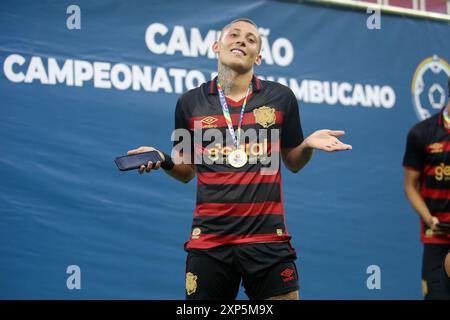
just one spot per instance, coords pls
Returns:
(196, 233)
(208, 122)
(442, 172)
(435, 148)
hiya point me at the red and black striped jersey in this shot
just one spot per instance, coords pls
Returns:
(428, 151)
(239, 205)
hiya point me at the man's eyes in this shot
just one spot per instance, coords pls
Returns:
(250, 39)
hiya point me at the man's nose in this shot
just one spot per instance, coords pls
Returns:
(241, 42)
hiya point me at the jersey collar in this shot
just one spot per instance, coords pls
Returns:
(256, 84)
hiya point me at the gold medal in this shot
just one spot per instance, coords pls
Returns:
(237, 158)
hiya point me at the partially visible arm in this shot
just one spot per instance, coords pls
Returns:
(411, 183)
(296, 158)
(447, 265)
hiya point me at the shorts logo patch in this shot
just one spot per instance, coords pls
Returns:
(191, 283)
(288, 274)
(424, 288)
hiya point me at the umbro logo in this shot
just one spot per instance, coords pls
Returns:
(435, 148)
(288, 274)
(209, 121)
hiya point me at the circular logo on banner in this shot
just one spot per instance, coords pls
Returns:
(429, 86)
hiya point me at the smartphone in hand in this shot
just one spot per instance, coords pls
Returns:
(444, 226)
(135, 161)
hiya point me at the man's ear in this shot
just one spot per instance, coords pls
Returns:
(215, 47)
(258, 60)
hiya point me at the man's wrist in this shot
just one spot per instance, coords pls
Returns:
(167, 164)
(428, 219)
(307, 145)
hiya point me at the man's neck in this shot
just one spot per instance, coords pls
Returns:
(234, 84)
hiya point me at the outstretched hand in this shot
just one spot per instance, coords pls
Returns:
(327, 140)
(150, 165)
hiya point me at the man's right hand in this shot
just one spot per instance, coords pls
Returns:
(432, 222)
(150, 164)
(181, 172)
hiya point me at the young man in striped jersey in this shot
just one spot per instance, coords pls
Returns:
(427, 186)
(238, 231)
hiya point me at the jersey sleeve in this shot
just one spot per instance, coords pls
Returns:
(414, 157)
(291, 130)
(183, 133)
(181, 122)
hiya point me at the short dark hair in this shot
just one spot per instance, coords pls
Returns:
(244, 20)
(238, 20)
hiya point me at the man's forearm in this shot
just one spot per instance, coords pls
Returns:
(298, 157)
(418, 203)
(182, 172)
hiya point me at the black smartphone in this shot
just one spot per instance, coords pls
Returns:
(132, 162)
(444, 225)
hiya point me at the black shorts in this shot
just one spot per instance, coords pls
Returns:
(432, 267)
(266, 270)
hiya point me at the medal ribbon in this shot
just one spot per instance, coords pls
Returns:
(226, 114)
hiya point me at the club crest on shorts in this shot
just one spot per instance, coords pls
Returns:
(191, 283)
(265, 116)
(424, 288)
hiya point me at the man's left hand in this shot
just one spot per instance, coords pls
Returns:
(327, 140)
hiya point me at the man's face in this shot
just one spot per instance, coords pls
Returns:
(239, 46)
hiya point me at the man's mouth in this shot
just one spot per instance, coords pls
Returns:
(238, 52)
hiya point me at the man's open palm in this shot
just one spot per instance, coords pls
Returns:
(327, 140)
